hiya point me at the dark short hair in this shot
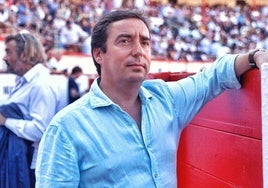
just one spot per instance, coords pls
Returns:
(100, 31)
(76, 69)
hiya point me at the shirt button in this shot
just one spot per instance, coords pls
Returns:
(155, 175)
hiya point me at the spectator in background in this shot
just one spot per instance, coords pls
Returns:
(241, 24)
(4, 14)
(73, 87)
(23, 14)
(53, 60)
(72, 36)
(34, 93)
(86, 25)
(125, 132)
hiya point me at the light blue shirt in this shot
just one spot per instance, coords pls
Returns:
(94, 143)
(37, 98)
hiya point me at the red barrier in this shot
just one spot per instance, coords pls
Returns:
(169, 76)
(222, 147)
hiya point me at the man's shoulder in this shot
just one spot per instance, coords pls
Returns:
(156, 87)
(73, 110)
(153, 83)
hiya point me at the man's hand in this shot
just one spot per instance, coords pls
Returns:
(242, 63)
(261, 57)
(2, 120)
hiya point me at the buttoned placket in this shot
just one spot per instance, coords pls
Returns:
(145, 127)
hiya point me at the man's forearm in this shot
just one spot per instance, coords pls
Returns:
(241, 64)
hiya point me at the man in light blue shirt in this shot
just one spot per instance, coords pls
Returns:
(125, 132)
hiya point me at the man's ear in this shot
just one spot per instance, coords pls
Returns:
(97, 54)
(23, 56)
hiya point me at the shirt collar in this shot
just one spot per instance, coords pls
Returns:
(35, 71)
(98, 99)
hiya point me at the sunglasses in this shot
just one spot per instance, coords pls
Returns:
(22, 37)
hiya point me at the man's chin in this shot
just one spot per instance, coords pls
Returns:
(137, 78)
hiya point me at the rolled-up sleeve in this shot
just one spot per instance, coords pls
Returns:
(195, 91)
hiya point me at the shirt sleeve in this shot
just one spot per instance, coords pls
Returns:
(195, 91)
(42, 107)
(56, 161)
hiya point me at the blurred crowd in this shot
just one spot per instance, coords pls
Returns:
(179, 32)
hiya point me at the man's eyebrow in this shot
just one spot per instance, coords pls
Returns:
(143, 37)
(124, 35)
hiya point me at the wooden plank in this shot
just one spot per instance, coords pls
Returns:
(218, 158)
(222, 147)
(193, 178)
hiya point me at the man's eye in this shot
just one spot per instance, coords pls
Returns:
(124, 41)
(146, 43)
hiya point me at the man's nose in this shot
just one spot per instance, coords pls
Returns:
(137, 49)
(5, 58)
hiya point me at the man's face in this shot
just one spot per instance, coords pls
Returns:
(69, 26)
(128, 55)
(13, 60)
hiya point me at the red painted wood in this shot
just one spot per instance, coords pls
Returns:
(222, 145)
(180, 75)
(169, 76)
(219, 158)
(196, 178)
(161, 75)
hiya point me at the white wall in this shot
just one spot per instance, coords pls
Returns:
(264, 90)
